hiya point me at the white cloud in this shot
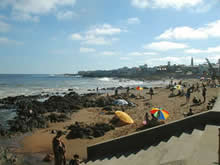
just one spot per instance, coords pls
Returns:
(91, 39)
(165, 45)
(87, 50)
(94, 40)
(4, 27)
(97, 35)
(142, 53)
(104, 29)
(134, 20)
(140, 3)
(214, 58)
(76, 36)
(18, 16)
(194, 51)
(65, 15)
(39, 6)
(29, 10)
(177, 4)
(209, 30)
(4, 40)
(207, 51)
(183, 33)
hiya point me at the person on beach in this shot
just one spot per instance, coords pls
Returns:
(146, 118)
(188, 92)
(97, 90)
(204, 94)
(116, 91)
(151, 92)
(128, 89)
(59, 150)
(75, 160)
(197, 87)
(171, 82)
(153, 118)
(189, 113)
(196, 101)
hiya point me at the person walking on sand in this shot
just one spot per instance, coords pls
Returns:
(59, 150)
(151, 92)
(75, 160)
(204, 94)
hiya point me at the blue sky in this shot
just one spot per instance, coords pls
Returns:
(65, 36)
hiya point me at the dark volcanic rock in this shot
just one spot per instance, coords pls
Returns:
(3, 132)
(25, 123)
(82, 130)
(108, 108)
(104, 101)
(57, 117)
(68, 103)
(30, 112)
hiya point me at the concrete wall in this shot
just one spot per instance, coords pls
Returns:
(153, 135)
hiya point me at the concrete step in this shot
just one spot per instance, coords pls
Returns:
(206, 151)
(176, 162)
(151, 156)
(182, 148)
(136, 158)
(124, 159)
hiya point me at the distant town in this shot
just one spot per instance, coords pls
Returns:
(158, 72)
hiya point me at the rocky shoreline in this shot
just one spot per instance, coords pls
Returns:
(31, 113)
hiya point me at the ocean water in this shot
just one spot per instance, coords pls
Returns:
(27, 84)
(32, 84)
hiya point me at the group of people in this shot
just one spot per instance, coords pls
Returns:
(154, 120)
(193, 89)
(59, 151)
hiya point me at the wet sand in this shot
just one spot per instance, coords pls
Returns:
(41, 140)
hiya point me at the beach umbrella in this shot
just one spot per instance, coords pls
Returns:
(124, 117)
(160, 113)
(120, 102)
(139, 88)
(178, 87)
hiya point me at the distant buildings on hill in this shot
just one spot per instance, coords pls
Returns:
(163, 70)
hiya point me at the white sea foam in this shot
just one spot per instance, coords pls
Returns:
(105, 79)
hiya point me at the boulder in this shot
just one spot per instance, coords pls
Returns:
(53, 117)
(82, 130)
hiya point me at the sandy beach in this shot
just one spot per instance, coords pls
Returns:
(41, 140)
